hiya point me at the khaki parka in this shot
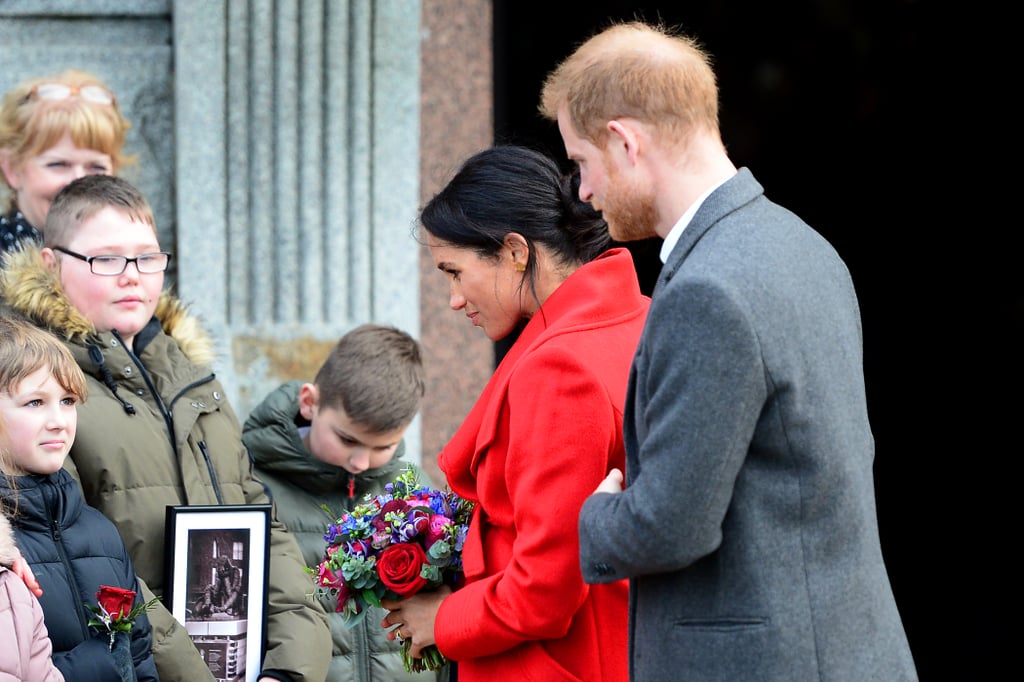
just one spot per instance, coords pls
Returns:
(157, 430)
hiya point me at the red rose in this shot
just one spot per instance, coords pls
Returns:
(399, 568)
(393, 506)
(115, 601)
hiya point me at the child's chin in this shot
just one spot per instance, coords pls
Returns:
(132, 324)
(51, 465)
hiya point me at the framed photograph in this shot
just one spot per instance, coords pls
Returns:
(216, 583)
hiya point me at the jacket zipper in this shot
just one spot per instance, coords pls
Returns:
(166, 413)
(58, 541)
(209, 466)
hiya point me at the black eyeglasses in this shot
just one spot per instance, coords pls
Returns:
(145, 263)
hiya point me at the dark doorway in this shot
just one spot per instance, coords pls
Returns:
(843, 110)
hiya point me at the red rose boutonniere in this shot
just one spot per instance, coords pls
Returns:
(113, 612)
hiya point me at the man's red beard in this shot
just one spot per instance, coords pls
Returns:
(628, 208)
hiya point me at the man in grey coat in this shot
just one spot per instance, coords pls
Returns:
(747, 525)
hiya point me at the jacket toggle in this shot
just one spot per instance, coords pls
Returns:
(96, 355)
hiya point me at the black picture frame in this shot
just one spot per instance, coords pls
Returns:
(215, 583)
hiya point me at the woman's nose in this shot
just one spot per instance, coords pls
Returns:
(456, 301)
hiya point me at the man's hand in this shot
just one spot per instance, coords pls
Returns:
(612, 483)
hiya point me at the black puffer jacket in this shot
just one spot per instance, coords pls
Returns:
(73, 549)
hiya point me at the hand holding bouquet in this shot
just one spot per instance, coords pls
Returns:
(397, 544)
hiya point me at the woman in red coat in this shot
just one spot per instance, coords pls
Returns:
(519, 246)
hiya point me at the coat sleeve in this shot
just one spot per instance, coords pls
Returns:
(700, 383)
(298, 637)
(142, 643)
(27, 651)
(174, 654)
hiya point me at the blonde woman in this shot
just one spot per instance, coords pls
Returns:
(54, 129)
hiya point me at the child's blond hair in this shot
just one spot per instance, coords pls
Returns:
(25, 349)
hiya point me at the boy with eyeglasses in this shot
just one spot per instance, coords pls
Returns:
(158, 429)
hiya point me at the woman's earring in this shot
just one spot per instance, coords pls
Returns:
(520, 267)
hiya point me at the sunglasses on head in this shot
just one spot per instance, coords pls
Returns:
(90, 93)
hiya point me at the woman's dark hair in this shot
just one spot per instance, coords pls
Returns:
(508, 188)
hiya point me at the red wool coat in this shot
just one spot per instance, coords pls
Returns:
(545, 431)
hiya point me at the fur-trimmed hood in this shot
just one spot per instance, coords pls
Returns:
(30, 289)
(8, 551)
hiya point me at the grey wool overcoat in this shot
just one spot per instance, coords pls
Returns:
(747, 526)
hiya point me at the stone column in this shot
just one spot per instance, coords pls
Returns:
(457, 113)
(297, 178)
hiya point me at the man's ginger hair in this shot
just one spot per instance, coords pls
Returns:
(635, 70)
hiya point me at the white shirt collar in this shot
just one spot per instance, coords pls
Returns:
(677, 230)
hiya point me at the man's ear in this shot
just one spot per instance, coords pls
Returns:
(624, 138)
(309, 396)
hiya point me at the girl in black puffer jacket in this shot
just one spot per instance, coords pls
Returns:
(71, 547)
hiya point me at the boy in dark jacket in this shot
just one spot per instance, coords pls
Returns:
(331, 443)
(72, 548)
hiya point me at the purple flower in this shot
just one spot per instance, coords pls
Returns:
(437, 529)
(358, 548)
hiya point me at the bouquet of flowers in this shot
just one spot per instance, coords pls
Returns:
(407, 540)
(113, 612)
